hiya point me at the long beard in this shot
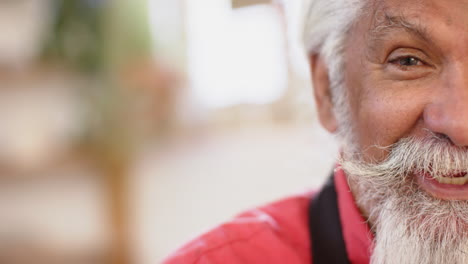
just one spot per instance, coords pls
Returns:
(410, 225)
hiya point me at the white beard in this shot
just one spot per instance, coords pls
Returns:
(410, 225)
(406, 236)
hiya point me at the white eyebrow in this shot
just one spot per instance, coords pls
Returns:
(387, 23)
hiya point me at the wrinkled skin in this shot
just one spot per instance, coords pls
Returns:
(406, 70)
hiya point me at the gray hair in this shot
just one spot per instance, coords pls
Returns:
(326, 26)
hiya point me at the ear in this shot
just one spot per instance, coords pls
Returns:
(322, 93)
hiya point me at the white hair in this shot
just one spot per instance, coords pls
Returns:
(326, 23)
(326, 26)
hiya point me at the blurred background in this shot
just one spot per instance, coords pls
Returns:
(128, 127)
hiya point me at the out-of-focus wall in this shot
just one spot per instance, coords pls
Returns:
(20, 44)
(128, 127)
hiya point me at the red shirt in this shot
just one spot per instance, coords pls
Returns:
(277, 233)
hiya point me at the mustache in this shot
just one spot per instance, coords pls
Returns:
(432, 155)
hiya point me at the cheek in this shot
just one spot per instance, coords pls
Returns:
(383, 110)
(386, 114)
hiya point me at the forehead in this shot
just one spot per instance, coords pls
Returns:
(423, 10)
(435, 22)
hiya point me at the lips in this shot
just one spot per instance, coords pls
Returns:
(449, 187)
(458, 178)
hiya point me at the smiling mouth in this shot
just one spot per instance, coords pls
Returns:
(452, 186)
(454, 179)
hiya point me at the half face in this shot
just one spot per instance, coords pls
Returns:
(406, 70)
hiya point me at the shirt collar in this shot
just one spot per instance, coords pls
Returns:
(357, 235)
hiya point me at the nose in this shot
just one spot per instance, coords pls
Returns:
(447, 113)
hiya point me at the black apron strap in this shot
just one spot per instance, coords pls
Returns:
(328, 246)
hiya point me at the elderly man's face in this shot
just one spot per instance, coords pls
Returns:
(406, 74)
(406, 70)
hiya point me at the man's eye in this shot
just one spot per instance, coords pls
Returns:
(407, 61)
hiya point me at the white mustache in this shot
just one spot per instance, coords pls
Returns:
(432, 155)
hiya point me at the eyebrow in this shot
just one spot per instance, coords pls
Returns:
(386, 24)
